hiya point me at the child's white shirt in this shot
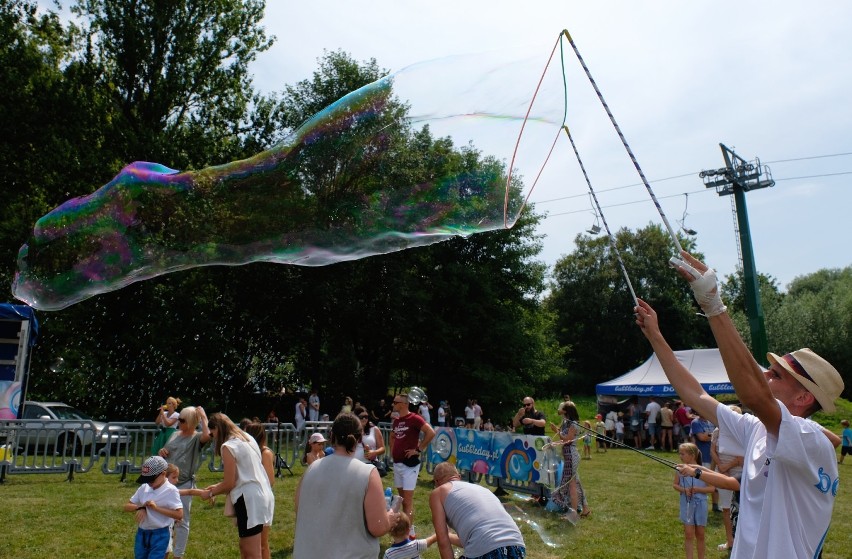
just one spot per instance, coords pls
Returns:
(166, 496)
(406, 550)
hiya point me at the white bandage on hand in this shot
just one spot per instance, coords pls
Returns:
(706, 290)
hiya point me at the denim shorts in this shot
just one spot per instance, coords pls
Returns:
(693, 512)
(151, 544)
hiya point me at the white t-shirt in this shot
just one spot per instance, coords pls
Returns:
(788, 485)
(610, 420)
(653, 410)
(300, 417)
(424, 413)
(468, 412)
(166, 496)
(313, 412)
(442, 415)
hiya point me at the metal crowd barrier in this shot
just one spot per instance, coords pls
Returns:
(129, 447)
(285, 442)
(39, 446)
(385, 428)
(282, 438)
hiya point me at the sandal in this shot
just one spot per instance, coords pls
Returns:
(585, 513)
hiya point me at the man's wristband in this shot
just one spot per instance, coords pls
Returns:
(140, 508)
(697, 473)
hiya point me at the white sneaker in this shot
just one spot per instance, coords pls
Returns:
(650, 448)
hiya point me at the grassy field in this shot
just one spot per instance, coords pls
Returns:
(635, 515)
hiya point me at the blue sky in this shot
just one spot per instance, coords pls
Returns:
(765, 78)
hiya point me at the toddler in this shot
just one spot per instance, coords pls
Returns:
(404, 548)
(846, 447)
(587, 441)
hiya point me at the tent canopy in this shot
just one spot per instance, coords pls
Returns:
(648, 379)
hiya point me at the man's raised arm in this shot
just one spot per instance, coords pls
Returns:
(686, 385)
(744, 372)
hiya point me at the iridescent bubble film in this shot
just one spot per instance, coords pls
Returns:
(338, 188)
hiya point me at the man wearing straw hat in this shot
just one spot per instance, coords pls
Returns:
(789, 479)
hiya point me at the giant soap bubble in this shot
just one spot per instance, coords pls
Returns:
(338, 188)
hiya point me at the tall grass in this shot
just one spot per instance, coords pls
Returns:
(634, 514)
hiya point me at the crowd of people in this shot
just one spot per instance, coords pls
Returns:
(772, 472)
(334, 478)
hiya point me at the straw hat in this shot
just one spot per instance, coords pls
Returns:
(814, 373)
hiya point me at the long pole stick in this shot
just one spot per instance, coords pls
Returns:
(624, 142)
(669, 463)
(603, 219)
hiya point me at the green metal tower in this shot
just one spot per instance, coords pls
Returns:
(738, 177)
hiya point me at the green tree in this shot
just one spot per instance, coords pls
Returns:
(168, 82)
(50, 123)
(594, 308)
(733, 295)
(177, 73)
(817, 313)
(414, 317)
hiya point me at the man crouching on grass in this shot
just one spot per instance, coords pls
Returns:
(157, 505)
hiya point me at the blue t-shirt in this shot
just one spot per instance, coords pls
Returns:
(701, 425)
(847, 437)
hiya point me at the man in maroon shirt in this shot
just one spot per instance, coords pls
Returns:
(684, 419)
(406, 448)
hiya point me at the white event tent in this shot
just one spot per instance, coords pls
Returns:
(648, 379)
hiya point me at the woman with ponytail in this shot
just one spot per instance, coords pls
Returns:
(325, 496)
(244, 480)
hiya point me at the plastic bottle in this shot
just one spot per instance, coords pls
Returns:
(388, 498)
(396, 503)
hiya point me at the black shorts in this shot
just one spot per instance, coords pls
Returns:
(242, 520)
(844, 450)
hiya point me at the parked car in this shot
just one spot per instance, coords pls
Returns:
(68, 436)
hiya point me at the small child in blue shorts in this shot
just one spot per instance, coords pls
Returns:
(846, 445)
(157, 505)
